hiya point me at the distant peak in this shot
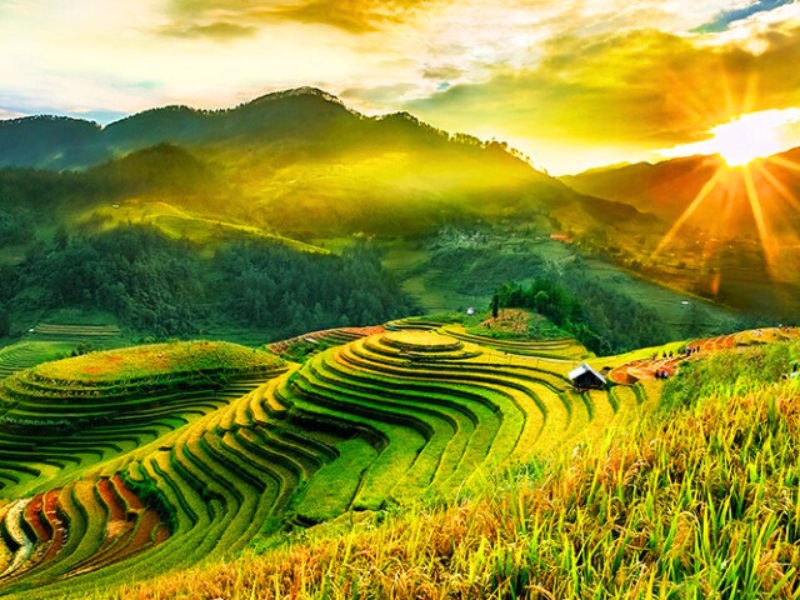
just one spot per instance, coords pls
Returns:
(404, 115)
(47, 119)
(297, 92)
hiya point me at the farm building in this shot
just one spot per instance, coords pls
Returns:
(585, 377)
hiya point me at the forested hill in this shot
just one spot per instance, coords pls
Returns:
(157, 285)
(303, 164)
(301, 117)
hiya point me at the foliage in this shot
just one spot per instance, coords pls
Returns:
(605, 321)
(5, 320)
(515, 324)
(292, 293)
(735, 369)
(156, 284)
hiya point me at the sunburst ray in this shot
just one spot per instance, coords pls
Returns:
(698, 200)
(766, 241)
(784, 162)
(776, 184)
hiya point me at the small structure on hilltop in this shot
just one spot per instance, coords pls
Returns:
(585, 377)
(561, 237)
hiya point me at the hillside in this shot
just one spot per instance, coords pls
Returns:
(726, 233)
(301, 448)
(296, 168)
(699, 501)
(150, 459)
(211, 279)
(665, 188)
(300, 168)
(289, 159)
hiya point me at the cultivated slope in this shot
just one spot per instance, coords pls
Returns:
(169, 474)
(696, 502)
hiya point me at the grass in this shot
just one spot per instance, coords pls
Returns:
(474, 473)
(181, 224)
(700, 502)
(332, 490)
(142, 362)
(447, 274)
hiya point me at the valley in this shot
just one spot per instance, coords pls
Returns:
(283, 328)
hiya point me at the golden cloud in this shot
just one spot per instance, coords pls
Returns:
(355, 16)
(645, 87)
(219, 31)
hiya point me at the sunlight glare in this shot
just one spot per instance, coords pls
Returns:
(698, 200)
(752, 136)
(767, 241)
(745, 138)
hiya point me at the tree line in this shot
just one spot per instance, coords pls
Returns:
(169, 287)
(605, 321)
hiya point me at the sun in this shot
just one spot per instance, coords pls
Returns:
(744, 138)
(748, 137)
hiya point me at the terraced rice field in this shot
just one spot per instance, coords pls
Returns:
(647, 369)
(136, 476)
(75, 333)
(309, 344)
(25, 354)
(429, 412)
(568, 348)
(416, 323)
(47, 342)
(80, 528)
(563, 348)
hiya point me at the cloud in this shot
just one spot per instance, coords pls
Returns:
(645, 88)
(353, 16)
(443, 73)
(380, 96)
(9, 114)
(219, 31)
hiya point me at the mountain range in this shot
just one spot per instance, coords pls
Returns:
(731, 233)
(301, 164)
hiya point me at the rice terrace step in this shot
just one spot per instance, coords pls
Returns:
(156, 457)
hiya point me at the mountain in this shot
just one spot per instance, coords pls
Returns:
(50, 143)
(300, 116)
(64, 143)
(305, 114)
(669, 188)
(303, 164)
(729, 233)
(664, 188)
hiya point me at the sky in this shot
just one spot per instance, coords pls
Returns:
(573, 84)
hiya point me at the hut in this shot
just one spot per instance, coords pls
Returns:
(585, 377)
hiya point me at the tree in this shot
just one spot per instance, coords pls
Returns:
(5, 321)
(540, 301)
(495, 305)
